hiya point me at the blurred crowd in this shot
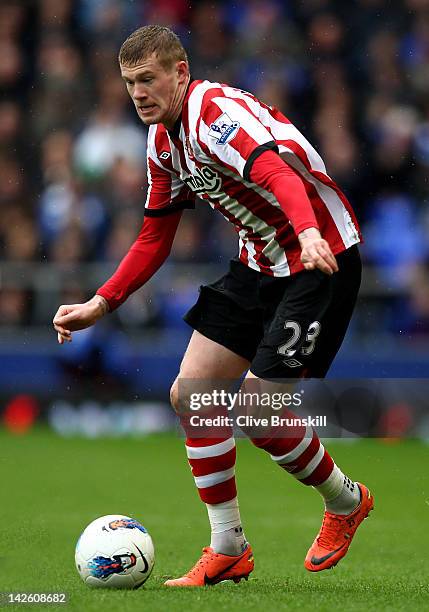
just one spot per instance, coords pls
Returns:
(352, 76)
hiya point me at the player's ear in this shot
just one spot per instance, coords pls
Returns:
(182, 70)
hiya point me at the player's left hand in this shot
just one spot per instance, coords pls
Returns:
(316, 252)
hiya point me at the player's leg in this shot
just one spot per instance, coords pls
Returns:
(316, 310)
(212, 461)
(228, 328)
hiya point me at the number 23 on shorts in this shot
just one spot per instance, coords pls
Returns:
(287, 348)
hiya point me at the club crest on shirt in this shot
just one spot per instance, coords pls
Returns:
(189, 149)
(224, 129)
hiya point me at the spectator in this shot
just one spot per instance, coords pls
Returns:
(72, 156)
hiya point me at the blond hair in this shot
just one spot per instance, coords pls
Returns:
(152, 39)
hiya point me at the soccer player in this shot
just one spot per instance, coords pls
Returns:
(282, 309)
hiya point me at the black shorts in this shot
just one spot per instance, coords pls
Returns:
(289, 327)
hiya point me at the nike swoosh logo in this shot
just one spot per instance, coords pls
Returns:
(212, 579)
(320, 560)
(146, 565)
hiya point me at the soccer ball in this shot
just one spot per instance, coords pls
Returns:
(115, 551)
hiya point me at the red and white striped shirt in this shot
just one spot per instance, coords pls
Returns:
(210, 154)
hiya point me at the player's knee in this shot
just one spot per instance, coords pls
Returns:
(174, 396)
(180, 397)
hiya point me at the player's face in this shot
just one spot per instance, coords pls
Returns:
(154, 89)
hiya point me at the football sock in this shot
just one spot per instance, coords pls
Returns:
(305, 457)
(341, 495)
(212, 463)
(302, 454)
(213, 466)
(227, 535)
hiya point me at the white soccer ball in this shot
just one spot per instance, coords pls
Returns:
(115, 551)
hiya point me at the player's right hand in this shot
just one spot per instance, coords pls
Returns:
(72, 317)
(316, 252)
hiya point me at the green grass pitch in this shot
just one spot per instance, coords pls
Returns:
(52, 488)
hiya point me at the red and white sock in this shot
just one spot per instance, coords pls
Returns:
(212, 463)
(305, 457)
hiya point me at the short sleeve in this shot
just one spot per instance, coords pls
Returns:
(232, 135)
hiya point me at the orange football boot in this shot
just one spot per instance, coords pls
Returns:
(214, 567)
(336, 534)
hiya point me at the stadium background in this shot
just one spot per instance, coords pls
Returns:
(353, 77)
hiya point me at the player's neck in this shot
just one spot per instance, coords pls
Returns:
(177, 104)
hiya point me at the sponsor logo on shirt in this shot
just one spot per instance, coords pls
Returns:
(224, 129)
(205, 180)
(165, 155)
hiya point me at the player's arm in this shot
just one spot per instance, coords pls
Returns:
(273, 174)
(165, 203)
